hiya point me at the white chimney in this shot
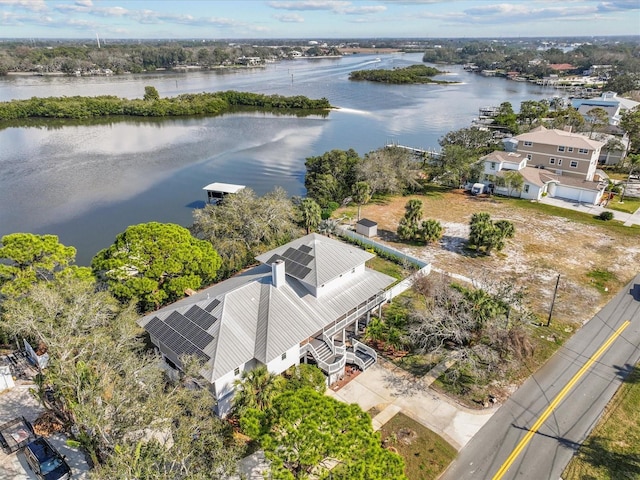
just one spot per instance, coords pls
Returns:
(278, 273)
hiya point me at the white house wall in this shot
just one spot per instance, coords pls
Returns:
(224, 385)
(534, 192)
(279, 364)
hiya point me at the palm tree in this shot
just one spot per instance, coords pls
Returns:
(311, 214)
(255, 389)
(361, 194)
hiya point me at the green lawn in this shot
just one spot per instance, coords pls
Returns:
(387, 267)
(630, 204)
(612, 451)
(579, 217)
(426, 454)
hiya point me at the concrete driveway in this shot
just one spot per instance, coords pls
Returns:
(16, 402)
(392, 390)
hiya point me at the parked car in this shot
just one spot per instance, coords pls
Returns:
(45, 461)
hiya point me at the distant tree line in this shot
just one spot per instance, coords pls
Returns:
(411, 74)
(152, 105)
(125, 57)
(528, 60)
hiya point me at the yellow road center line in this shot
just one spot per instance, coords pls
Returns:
(552, 406)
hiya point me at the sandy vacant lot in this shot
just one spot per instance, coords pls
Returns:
(544, 246)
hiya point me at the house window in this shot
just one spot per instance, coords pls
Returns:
(574, 164)
(560, 148)
(569, 149)
(583, 150)
(284, 356)
(528, 156)
(236, 371)
(559, 161)
(552, 161)
(493, 165)
(526, 188)
(528, 144)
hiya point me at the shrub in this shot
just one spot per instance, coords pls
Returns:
(606, 216)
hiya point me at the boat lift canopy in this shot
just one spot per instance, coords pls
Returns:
(216, 191)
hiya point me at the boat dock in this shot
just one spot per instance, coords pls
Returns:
(419, 152)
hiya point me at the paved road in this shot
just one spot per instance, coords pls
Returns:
(555, 409)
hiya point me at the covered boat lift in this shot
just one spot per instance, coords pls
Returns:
(217, 191)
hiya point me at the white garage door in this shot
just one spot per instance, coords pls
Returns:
(577, 194)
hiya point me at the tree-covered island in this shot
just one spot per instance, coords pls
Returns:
(411, 74)
(152, 105)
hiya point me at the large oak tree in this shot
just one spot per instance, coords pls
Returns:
(154, 263)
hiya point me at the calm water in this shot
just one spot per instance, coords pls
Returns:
(88, 183)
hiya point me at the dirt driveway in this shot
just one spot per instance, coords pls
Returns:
(544, 246)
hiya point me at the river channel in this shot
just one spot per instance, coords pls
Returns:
(88, 182)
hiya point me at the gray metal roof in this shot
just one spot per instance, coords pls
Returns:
(327, 258)
(254, 319)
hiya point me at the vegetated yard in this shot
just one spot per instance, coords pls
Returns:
(425, 453)
(548, 241)
(612, 451)
(594, 259)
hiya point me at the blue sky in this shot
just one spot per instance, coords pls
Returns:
(316, 19)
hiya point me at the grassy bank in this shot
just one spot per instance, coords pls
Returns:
(425, 453)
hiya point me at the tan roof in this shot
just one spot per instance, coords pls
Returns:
(502, 156)
(561, 66)
(540, 176)
(559, 137)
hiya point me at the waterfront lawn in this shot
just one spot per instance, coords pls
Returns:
(426, 454)
(612, 450)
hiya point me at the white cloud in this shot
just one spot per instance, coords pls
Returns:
(32, 5)
(364, 10)
(331, 5)
(289, 18)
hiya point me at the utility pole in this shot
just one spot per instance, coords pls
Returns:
(553, 301)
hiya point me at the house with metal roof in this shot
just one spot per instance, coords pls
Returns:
(306, 302)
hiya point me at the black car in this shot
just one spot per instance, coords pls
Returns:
(45, 461)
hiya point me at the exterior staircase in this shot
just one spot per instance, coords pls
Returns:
(332, 358)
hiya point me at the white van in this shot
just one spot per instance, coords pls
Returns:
(477, 188)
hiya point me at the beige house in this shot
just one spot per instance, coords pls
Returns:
(552, 162)
(562, 152)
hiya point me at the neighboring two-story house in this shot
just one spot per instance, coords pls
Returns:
(306, 302)
(552, 162)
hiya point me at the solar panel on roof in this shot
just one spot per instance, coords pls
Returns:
(192, 312)
(296, 256)
(202, 340)
(203, 355)
(212, 305)
(288, 253)
(153, 326)
(305, 259)
(190, 329)
(305, 248)
(175, 319)
(201, 317)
